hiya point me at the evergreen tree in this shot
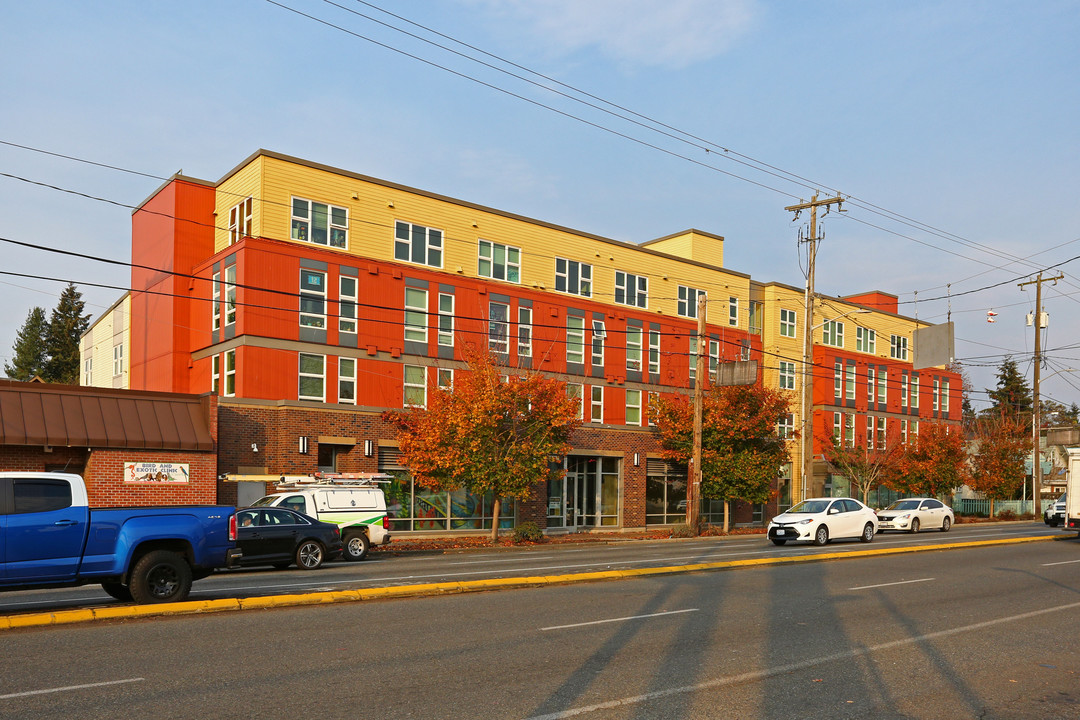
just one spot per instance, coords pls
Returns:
(1012, 397)
(30, 354)
(66, 327)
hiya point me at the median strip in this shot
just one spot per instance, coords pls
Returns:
(196, 607)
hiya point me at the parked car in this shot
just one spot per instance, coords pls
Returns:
(1054, 514)
(281, 537)
(820, 520)
(913, 514)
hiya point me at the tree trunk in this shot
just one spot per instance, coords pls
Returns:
(725, 516)
(991, 508)
(495, 506)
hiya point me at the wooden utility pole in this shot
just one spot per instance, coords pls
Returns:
(1036, 457)
(807, 395)
(701, 373)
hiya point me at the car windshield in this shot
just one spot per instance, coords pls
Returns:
(266, 500)
(904, 505)
(810, 506)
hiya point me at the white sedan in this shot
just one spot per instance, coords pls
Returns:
(911, 514)
(823, 519)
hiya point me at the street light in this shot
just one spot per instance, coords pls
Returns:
(807, 441)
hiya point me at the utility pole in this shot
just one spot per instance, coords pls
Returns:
(693, 489)
(807, 399)
(1036, 458)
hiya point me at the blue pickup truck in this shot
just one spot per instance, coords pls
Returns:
(49, 536)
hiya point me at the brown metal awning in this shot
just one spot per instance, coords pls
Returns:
(70, 415)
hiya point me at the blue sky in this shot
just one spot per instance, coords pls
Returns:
(959, 116)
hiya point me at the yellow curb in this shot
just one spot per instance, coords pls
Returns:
(399, 591)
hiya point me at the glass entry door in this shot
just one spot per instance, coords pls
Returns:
(587, 495)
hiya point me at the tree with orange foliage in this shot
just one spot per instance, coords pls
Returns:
(487, 434)
(1004, 441)
(865, 465)
(741, 453)
(933, 462)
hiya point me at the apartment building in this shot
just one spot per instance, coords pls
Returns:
(311, 299)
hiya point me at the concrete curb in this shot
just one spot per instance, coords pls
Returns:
(196, 607)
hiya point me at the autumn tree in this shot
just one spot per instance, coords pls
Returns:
(741, 452)
(487, 434)
(1003, 443)
(933, 462)
(30, 352)
(66, 327)
(865, 465)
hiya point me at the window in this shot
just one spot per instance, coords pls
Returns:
(230, 294)
(596, 403)
(418, 244)
(654, 398)
(347, 304)
(117, 359)
(633, 348)
(937, 393)
(498, 327)
(944, 395)
(837, 426)
(576, 391)
(524, 332)
(631, 289)
(833, 334)
(88, 371)
(870, 385)
(849, 430)
(869, 431)
(415, 386)
(37, 496)
(312, 376)
(598, 335)
(882, 425)
(573, 277)
(903, 389)
(714, 360)
(903, 431)
(240, 221)
(446, 320)
(785, 426)
(694, 344)
(312, 298)
(787, 375)
(838, 380)
(215, 306)
(415, 315)
(633, 407)
(575, 339)
(688, 301)
(865, 340)
(445, 378)
(898, 347)
(757, 310)
(347, 381)
(733, 311)
(654, 352)
(882, 383)
(915, 392)
(787, 323)
(215, 374)
(319, 223)
(230, 373)
(849, 386)
(499, 262)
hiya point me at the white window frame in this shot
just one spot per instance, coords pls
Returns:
(733, 311)
(786, 379)
(692, 355)
(914, 392)
(582, 284)
(524, 332)
(577, 390)
(903, 389)
(849, 384)
(832, 333)
(631, 289)
(785, 426)
(838, 380)
(88, 371)
(937, 394)
(320, 375)
(788, 319)
(445, 336)
(633, 407)
(418, 385)
(215, 374)
(714, 360)
(849, 430)
(654, 352)
(230, 374)
(499, 327)
(870, 431)
(898, 347)
(315, 298)
(688, 300)
(838, 427)
(118, 360)
(230, 294)
(215, 305)
(633, 348)
(240, 221)
(575, 339)
(944, 395)
(346, 380)
(487, 264)
(871, 385)
(416, 314)
(337, 223)
(430, 238)
(882, 387)
(444, 378)
(596, 355)
(347, 322)
(596, 403)
(865, 340)
(882, 432)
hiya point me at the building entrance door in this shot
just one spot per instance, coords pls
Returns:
(586, 496)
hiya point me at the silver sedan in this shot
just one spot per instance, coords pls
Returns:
(913, 514)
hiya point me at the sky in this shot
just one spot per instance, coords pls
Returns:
(950, 127)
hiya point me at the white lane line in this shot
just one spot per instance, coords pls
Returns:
(504, 560)
(901, 582)
(781, 670)
(69, 688)
(622, 619)
(1063, 562)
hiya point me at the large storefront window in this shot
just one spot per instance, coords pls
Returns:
(665, 493)
(587, 495)
(416, 509)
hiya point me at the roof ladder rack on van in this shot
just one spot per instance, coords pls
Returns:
(321, 479)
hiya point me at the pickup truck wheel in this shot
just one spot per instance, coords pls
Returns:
(160, 576)
(309, 555)
(356, 546)
(117, 590)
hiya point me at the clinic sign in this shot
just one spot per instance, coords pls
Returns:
(158, 473)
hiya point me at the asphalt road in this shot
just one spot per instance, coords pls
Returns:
(974, 633)
(981, 633)
(382, 570)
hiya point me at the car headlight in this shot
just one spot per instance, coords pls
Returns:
(807, 521)
(905, 516)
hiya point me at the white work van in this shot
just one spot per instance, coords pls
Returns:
(353, 501)
(1072, 491)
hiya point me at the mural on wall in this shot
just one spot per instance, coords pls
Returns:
(155, 472)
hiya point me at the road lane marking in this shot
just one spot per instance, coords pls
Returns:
(622, 619)
(760, 675)
(1063, 562)
(901, 582)
(69, 688)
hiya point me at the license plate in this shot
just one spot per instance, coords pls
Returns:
(781, 531)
